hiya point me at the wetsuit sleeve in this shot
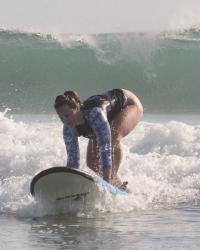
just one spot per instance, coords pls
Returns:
(101, 128)
(71, 142)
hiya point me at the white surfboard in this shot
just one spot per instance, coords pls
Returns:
(60, 184)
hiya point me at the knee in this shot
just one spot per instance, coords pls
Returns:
(116, 140)
(92, 158)
(92, 163)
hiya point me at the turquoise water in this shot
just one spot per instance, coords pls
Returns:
(162, 69)
(161, 156)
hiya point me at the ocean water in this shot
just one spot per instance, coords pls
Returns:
(162, 69)
(161, 156)
(161, 163)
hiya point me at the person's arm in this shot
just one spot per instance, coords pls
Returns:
(71, 142)
(101, 128)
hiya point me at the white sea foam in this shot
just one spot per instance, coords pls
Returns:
(161, 163)
(184, 20)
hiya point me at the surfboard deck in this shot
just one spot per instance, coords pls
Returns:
(62, 183)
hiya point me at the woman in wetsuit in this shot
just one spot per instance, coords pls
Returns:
(105, 119)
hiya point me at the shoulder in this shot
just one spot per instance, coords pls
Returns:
(93, 113)
(96, 117)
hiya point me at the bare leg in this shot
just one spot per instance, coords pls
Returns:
(93, 157)
(94, 161)
(121, 126)
(117, 156)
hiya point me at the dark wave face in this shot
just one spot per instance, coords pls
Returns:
(163, 69)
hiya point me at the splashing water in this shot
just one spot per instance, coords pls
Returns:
(161, 163)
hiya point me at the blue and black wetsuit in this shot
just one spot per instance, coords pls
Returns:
(98, 112)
